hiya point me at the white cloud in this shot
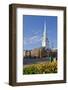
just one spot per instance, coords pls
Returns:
(37, 32)
(33, 37)
(32, 40)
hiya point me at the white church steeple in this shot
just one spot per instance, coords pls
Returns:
(44, 36)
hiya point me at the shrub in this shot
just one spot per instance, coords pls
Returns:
(47, 67)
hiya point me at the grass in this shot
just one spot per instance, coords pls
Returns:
(41, 68)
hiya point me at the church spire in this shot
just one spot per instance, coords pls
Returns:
(44, 36)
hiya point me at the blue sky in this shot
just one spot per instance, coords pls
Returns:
(33, 30)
